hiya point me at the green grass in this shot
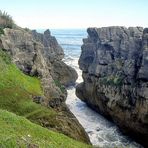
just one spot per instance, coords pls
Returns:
(1, 31)
(5, 59)
(18, 132)
(58, 84)
(112, 80)
(11, 76)
(18, 89)
(16, 93)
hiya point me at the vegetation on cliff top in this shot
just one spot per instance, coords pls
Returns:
(16, 93)
(6, 20)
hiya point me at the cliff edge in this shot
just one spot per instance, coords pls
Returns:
(33, 77)
(114, 62)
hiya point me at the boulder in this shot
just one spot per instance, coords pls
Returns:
(64, 73)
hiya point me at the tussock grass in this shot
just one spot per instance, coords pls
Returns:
(6, 20)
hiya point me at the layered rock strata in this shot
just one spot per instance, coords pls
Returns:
(114, 62)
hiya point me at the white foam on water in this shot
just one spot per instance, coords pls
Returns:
(102, 132)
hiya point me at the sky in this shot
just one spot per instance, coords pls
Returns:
(35, 14)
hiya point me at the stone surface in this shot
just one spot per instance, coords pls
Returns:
(65, 74)
(40, 55)
(32, 57)
(114, 61)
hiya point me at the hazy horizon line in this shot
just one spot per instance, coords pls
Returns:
(75, 28)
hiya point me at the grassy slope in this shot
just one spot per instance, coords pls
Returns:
(17, 131)
(16, 91)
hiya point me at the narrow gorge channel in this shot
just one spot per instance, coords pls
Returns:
(102, 132)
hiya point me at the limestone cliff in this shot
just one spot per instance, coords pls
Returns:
(38, 55)
(59, 70)
(41, 56)
(114, 61)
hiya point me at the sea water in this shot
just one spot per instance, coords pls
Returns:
(101, 132)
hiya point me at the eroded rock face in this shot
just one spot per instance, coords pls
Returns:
(65, 74)
(40, 55)
(114, 61)
(33, 58)
(54, 55)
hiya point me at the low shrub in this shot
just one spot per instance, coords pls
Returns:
(1, 31)
(58, 84)
(4, 56)
(112, 80)
(6, 20)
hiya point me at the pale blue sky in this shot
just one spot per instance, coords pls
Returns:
(77, 13)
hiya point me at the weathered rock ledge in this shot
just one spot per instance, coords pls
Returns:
(41, 56)
(114, 61)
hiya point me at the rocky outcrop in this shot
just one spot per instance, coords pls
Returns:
(59, 70)
(41, 56)
(65, 74)
(33, 58)
(114, 61)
